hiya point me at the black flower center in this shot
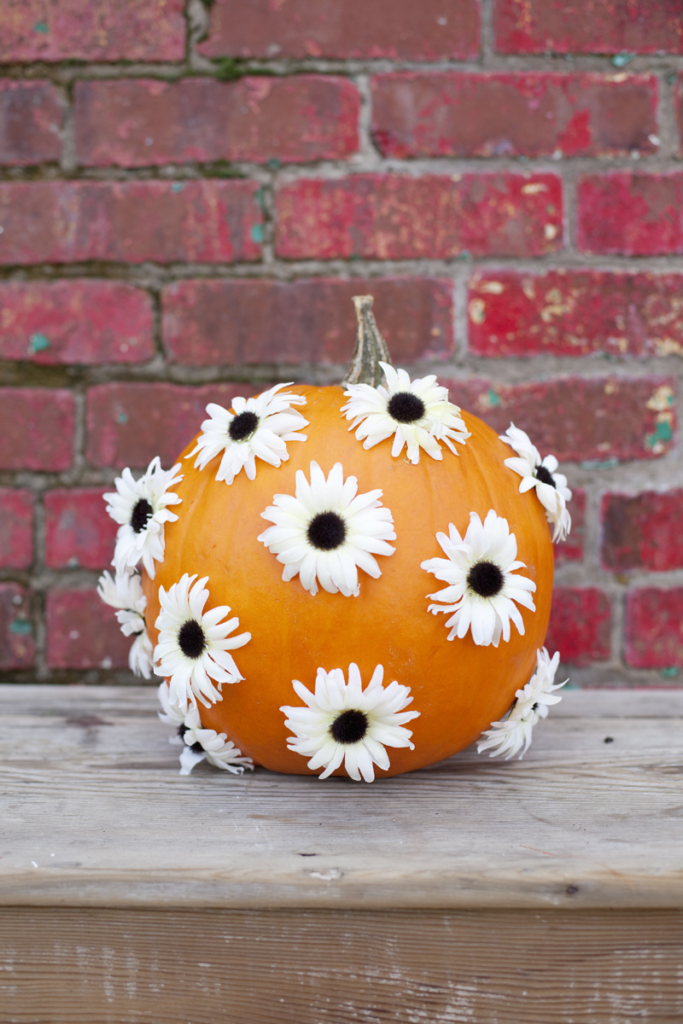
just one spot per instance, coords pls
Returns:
(534, 707)
(142, 510)
(485, 579)
(243, 426)
(349, 727)
(405, 407)
(196, 746)
(191, 639)
(326, 531)
(545, 476)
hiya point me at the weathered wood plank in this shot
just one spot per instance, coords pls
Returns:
(339, 967)
(95, 814)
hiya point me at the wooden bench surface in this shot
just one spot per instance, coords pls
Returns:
(556, 859)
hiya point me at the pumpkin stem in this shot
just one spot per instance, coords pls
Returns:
(371, 348)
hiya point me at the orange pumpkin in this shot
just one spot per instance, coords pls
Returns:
(458, 687)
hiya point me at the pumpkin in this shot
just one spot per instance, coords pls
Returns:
(230, 544)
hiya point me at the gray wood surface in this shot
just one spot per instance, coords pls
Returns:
(94, 814)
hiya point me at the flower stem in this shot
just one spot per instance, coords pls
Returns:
(371, 348)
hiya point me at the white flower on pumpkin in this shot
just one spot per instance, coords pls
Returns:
(141, 509)
(327, 532)
(200, 744)
(483, 589)
(257, 428)
(551, 486)
(342, 722)
(124, 592)
(513, 734)
(417, 414)
(192, 652)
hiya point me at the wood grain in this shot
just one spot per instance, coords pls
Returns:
(337, 967)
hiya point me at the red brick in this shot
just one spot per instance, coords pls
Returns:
(588, 26)
(305, 321)
(654, 628)
(393, 217)
(36, 428)
(460, 114)
(431, 30)
(54, 30)
(679, 112)
(30, 120)
(631, 214)
(17, 646)
(572, 549)
(130, 221)
(642, 531)
(89, 322)
(128, 424)
(16, 529)
(575, 312)
(78, 531)
(136, 123)
(580, 625)
(579, 419)
(82, 631)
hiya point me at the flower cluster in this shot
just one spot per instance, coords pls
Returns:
(124, 592)
(200, 744)
(541, 474)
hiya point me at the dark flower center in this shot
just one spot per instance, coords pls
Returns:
(405, 407)
(534, 707)
(142, 510)
(485, 579)
(243, 426)
(191, 639)
(326, 531)
(197, 747)
(349, 727)
(545, 476)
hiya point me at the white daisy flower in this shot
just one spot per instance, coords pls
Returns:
(124, 592)
(551, 486)
(417, 413)
(258, 428)
(140, 506)
(328, 531)
(343, 722)
(513, 735)
(193, 644)
(200, 744)
(481, 589)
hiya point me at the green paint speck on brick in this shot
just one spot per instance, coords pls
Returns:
(620, 60)
(41, 26)
(669, 673)
(122, 417)
(38, 343)
(21, 627)
(493, 398)
(177, 186)
(257, 233)
(663, 432)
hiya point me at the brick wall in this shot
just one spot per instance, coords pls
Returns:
(190, 194)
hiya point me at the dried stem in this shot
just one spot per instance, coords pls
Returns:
(371, 348)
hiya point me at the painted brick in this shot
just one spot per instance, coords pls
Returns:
(136, 123)
(30, 120)
(17, 646)
(305, 321)
(642, 531)
(631, 214)
(16, 529)
(82, 631)
(461, 114)
(36, 428)
(575, 313)
(579, 419)
(437, 216)
(54, 30)
(431, 30)
(88, 322)
(654, 628)
(128, 424)
(572, 549)
(580, 625)
(130, 221)
(78, 531)
(588, 26)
